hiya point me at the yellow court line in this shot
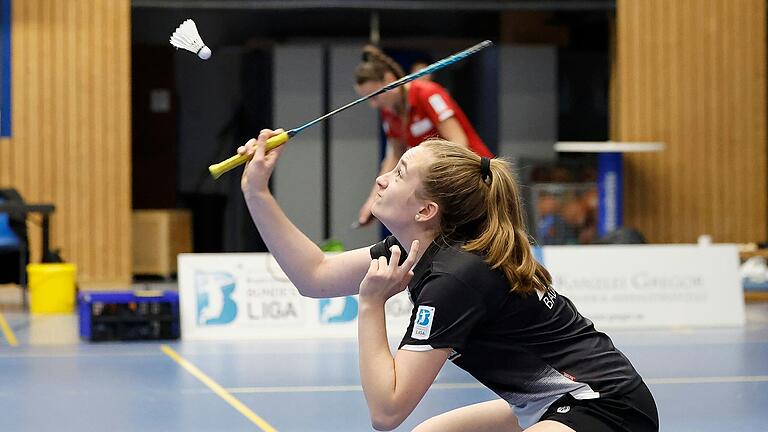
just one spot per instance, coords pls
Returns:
(8, 332)
(219, 390)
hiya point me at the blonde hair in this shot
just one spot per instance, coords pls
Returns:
(486, 214)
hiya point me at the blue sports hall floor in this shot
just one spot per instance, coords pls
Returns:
(703, 380)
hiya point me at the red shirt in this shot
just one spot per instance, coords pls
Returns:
(429, 104)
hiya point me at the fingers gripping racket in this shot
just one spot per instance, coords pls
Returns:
(220, 168)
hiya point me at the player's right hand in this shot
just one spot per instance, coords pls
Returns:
(259, 169)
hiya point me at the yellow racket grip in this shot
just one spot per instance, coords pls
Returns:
(235, 161)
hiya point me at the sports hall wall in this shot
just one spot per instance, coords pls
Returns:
(691, 73)
(70, 139)
(70, 142)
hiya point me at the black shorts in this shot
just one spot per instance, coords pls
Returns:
(631, 412)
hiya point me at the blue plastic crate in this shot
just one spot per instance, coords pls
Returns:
(129, 315)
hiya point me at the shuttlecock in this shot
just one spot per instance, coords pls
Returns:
(186, 37)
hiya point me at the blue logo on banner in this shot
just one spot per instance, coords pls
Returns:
(423, 318)
(338, 309)
(214, 298)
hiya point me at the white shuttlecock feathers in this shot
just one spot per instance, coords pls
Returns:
(186, 37)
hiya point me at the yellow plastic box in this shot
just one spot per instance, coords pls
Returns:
(51, 288)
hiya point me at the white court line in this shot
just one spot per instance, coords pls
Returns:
(709, 380)
(459, 386)
(77, 354)
(343, 388)
(296, 389)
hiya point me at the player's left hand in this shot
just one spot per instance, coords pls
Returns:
(385, 279)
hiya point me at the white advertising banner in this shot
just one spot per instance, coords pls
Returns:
(644, 286)
(247, 296)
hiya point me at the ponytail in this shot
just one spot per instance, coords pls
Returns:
(503, 240)
(480, 205)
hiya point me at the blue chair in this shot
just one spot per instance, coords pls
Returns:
(8, 238)
(14, 250)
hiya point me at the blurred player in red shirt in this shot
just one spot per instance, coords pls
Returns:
(410, 114)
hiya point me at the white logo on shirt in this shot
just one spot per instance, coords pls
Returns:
(563, 409)
(420, 127)
(441, 108)
(547, 297)
(422, 326)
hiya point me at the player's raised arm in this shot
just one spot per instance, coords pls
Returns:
(314, 274)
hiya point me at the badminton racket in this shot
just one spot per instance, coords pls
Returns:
(222, 167)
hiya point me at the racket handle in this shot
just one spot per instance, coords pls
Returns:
(235, 161)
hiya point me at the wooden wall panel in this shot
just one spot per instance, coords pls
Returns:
(70, 142)
(691, 73)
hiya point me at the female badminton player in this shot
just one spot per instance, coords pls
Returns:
(480, 300)
(416, 111)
